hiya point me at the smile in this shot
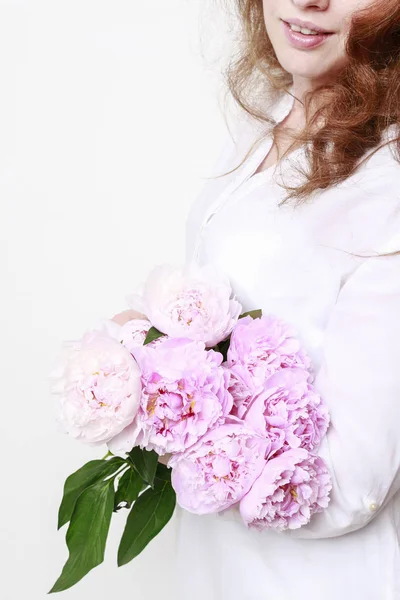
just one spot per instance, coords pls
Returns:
(304, 38)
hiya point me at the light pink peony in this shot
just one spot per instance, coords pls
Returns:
(216, 472)
(258, 348)
(291, 488)
(133, 333)
(99, 388)
(184, 395)
(195, 303)
(289, 411)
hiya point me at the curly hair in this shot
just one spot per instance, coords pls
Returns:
(356, 108)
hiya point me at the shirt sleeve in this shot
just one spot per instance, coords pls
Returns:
(232, 150)
(359, 380)
(209, 190)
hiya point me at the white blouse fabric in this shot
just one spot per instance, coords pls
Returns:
(298, 263)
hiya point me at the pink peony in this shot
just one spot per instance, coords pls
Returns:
(195, 304)
(291, 488)
(258, 348)
(216, 472)
(133, 333)
(289, 412)
(99, 388)
(184, 395)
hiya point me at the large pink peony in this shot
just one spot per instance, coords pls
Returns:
(291, 488)
(216, 472)
(99, 388)
(289, 411)
(184, 395)
(196, 303)
(258, 348)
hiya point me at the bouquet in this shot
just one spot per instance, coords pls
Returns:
(225, 398)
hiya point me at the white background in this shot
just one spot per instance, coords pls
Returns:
(110, 114)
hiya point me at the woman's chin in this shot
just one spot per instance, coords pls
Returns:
(303, 66)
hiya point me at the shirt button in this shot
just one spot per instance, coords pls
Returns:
(373, 507)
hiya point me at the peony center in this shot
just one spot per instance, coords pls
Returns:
(188, 307)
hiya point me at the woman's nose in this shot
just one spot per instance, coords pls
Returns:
(316, 4)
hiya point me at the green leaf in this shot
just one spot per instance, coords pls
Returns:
(150, 513)
(145, 463)
(95, 470)
(129, 487)
(163, 472)
(254, 314)
(87, 533)
(223, 347)
(153, 334)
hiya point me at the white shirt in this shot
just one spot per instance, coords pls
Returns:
(296, 263)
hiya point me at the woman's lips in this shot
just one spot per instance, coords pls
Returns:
(303, 41)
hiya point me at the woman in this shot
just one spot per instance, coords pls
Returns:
(308, 228)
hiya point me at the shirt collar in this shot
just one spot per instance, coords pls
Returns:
(282, 107)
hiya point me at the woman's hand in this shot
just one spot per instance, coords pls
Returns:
(127, 315)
